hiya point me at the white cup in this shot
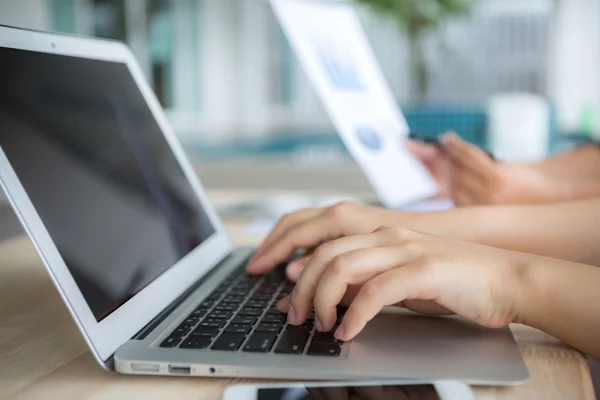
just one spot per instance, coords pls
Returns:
(518, 127)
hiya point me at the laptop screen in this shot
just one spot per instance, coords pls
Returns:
(98, 170)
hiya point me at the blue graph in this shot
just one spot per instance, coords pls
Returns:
(342, 73)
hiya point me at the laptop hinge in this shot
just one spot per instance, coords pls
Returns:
(145, 331)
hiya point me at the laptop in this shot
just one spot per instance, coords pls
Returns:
(142, 261)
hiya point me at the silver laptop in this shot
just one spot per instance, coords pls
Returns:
(125, 229)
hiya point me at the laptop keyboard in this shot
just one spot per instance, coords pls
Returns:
(241, 315)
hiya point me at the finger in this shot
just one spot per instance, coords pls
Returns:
(284, 224)
(355, 268)
(284, 304)
(468, 156)
(295, 268)
(404, 283)
(423, 151)
(304, 291)
(306, 234)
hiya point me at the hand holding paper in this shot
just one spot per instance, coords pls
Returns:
(331, 46)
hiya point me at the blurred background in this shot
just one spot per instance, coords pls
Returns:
(238, 99)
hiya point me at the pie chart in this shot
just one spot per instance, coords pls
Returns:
(369, 138)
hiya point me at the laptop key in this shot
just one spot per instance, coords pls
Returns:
(235, 299)
(181, 331)
(324, 349)
(234, 328)
(196, 343)
(251, 312)
(244, 286)
(257, 303)
(276, 275)
(275, 311)
(308, 325)
(213, 323)
(267, 289)
(325, 337)
(282, 294)
(239, 292)
(188, 324)
(274, 319)
(217, 314)
(275, 328)
(229, 342)
(270, 284)
(207, 304)
(261, 297)
(226, 307)
(242, 320)
(200, 312)
(260, 342)
(206, 331)
(171, 341)
(292, 341)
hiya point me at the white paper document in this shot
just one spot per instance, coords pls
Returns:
(330, 43)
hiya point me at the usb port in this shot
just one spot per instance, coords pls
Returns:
(141, 367)
(180, 370)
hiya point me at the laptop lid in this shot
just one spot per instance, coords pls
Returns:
(100, 183)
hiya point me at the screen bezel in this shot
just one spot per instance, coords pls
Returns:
(446, 389)
(106, 336)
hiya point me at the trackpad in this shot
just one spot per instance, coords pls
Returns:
(410, 343)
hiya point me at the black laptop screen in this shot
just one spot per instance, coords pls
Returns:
(99, 172)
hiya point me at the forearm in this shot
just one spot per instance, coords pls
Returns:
(581, 163)
(567, 231)
(562, 299)
(573, 189)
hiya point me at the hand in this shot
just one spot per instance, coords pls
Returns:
(308, 228)
(474, 178)
(396, 266)
(436, 162)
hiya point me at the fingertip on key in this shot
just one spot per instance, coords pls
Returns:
(284, 304)
(318, 324)
(340, 333)
(292, 316)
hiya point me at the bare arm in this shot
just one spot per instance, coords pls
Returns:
(569, 231)
(582, 163)
(563, 299)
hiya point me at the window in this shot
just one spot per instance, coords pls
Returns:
(163, 35)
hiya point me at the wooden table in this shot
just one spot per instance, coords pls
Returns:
(43, 356)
